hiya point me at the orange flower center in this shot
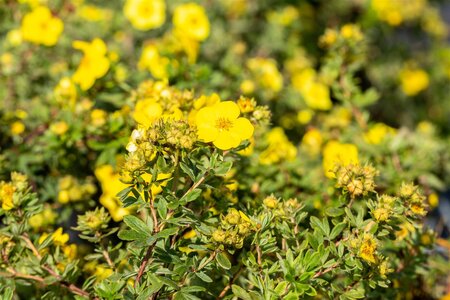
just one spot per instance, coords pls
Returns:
(223, 124)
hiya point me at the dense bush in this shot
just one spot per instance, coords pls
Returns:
(223, 149)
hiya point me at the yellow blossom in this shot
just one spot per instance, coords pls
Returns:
(221, 125)
(111, 186)
(377, 133)
(41, 27)
(315, 94)
(14, 37)
(94, 63)
(6, 195)
(192, 21)
(17, 128)
(151, 60)
(368, 248)
(145, 14)
(59, 128)
(312, 141)
(433, 200)
(93, 13)
(266, 73)
(66, 91)
(413, 81)
(304, 116)
(190, 234)
(147, 111)
(98, 117)
(279, 147)
(337, 153)
(247, 86)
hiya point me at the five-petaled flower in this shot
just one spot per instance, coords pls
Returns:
(221, 125)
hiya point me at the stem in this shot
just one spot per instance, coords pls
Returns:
(73, 288)
(228, 286)
(206, 262)
(320, 273)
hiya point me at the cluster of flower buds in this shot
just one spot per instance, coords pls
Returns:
(281, 208)
(93, 221)
(413, 199)
(384, 208)
(234, 228)
(356, 180)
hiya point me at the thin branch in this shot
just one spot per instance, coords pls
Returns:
(228, 286)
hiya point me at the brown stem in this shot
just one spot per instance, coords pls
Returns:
(228, 286)
(331, 268)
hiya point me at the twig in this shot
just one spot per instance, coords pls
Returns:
(320, 273)
(228, 286)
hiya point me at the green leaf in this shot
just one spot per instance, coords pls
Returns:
(186, 169)
(129, 235)
(223, 168)
(323, 225)
(240, 292)
(7, 294)
(337, 229)
(138, 225)
(167, 232)
(280, 289)
(203, 277)
(191, 196)
(223, 261)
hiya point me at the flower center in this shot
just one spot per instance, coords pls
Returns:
(223, 124)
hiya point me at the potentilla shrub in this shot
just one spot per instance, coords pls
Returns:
(189, 227)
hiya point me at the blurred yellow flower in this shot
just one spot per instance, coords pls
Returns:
(221, 125)
(279, 147)
(377, 133)
(14, 37)
(145, 14)
(59, 128)
(17, 128)
(266, 73)
(6, 195)
(111, 186)
(59, 238)
(315, 94)
(94, 63)
(155, 63)
(41, 27)
(336, 153)
(312, 141)
(98, 117)
(413, 81)
(304, 116)
(191, 20)
(368, 248)
(147, 111)
(66, 91)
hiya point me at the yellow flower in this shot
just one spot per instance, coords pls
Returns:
(145, 14)
(191, 20)
(266, 73)
(40, 27)
(111, 186)
(60, 238)
(337, 153)
(66, 91)
(433, 200)
(190, 234)
(94, 63)
(59, 128)
(247, 86)
(221, 125)
(93, 13)
(413, 81)
(17, 128)
(6, 195)
(368, 248)
(315, 93)
(312, 142)
(147, 111)
(377, 133)
(351, 32)
(98, 117)
(156, 64)
(279, 148)
(14, 37)
(304, 116)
